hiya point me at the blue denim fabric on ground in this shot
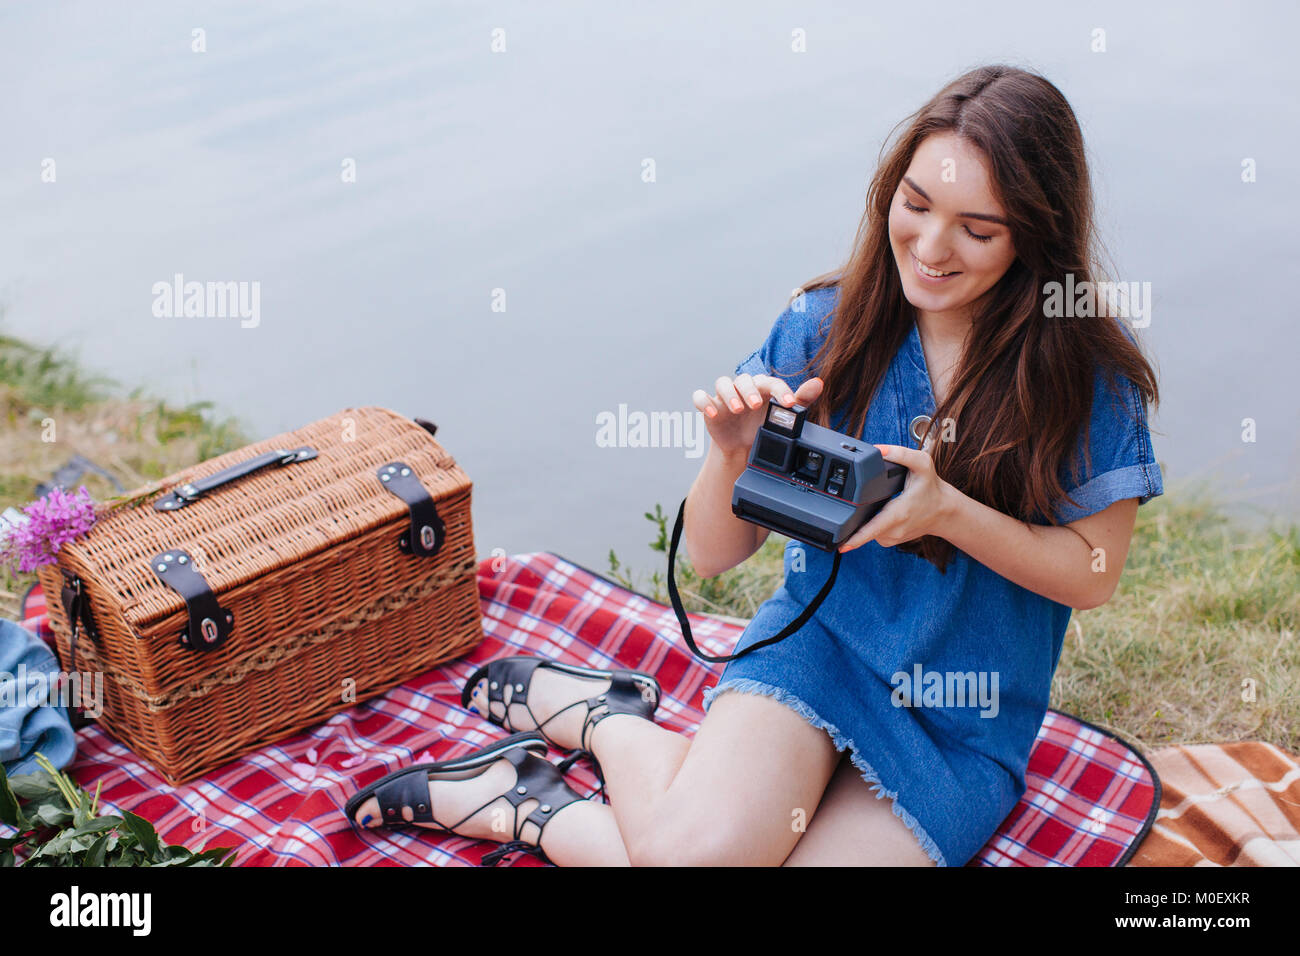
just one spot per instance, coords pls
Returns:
(29, 724)
(952, 775)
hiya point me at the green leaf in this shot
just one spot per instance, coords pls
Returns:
(44, 806)
(8, 848)
(80, 844)
(169, 860)
(81, 814)
(176, 853)
(57, 826)
(9, 811)
(56, 847)
(226, 854)
(33, 786)
(52, 816)
(144, 833)
(62, 781)
(96, 855)
(99, 825)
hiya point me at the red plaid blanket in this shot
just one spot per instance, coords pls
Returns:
(1090, 798)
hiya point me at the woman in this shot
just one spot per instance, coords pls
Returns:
(920, 685)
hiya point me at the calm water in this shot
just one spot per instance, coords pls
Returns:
(521, 171)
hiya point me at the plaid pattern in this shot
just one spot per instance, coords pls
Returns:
(1229, 804)
(1090, 798)
(32, 616)
(1089, 801)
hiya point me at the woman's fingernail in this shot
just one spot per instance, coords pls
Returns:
(736, 406)
(789, 398)
(711, 412)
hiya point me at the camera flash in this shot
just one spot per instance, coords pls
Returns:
(781, 417)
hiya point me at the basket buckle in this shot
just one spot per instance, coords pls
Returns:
(210, 623)
(427, 532)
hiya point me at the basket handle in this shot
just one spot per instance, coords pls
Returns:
(192, 491)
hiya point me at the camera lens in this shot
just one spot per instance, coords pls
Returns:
(810, 464)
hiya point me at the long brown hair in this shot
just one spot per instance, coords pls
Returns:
(1023, 388)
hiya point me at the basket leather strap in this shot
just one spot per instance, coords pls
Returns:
(77, 610)
(76, 606)
(427, 532)
(192, 491)
(210, 624)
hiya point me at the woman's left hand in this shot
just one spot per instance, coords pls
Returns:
(915, 512)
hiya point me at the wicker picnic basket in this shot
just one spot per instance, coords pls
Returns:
(257, 593)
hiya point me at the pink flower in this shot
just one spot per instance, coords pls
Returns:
(53, 521)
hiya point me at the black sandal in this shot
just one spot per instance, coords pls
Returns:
(630, 692)
(538, 779)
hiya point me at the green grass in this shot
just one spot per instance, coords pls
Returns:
(45, 379)
(1204, 618)
(44, 394)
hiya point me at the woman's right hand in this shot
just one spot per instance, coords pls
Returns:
(734, 414)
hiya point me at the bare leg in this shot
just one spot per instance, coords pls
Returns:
(754, 770)
(584, 833)
(654, 753)
(853, 827)
(737, 793)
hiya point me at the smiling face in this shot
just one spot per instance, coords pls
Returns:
(948, 231)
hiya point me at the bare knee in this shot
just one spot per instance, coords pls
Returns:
(751, 764)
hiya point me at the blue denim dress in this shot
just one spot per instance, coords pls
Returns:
(936, 683)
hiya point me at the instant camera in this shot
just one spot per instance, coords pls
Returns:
(811, 483)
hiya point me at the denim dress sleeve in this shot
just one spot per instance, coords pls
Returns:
(794, 339)
(1122, 463)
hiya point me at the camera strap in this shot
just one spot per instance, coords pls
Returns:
(676, 600)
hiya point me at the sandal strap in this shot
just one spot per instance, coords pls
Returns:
(540, 780)
(626, 694)
(493, 857)
(408, 790)
(518, 676)
(564, 765)
(517, 673)
(627, 690)
(570, 759)
(537, 779)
